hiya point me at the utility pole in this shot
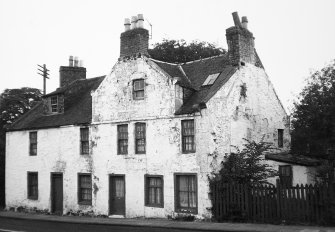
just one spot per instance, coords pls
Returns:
(44, 73)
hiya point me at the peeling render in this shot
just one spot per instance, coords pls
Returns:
(230, 116)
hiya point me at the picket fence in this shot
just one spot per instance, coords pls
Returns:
(311, 204)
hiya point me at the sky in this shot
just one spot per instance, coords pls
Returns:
(292, 37)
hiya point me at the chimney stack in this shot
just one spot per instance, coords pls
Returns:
(68, 74)
(241, 46)
(135, 38)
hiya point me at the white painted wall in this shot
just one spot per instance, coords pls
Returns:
(217, 128)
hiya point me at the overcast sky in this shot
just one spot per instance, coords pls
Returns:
(291, 37)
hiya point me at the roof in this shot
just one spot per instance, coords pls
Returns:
(293, 159)
(194, 74)
(77, 107)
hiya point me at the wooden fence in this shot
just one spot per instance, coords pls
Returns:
(314, 204)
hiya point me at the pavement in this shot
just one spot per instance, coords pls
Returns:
(165, 223)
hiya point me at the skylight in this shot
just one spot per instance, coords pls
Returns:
(210, 79)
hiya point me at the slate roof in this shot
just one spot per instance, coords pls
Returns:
(77, 107)
(195, 73)
(293, 159)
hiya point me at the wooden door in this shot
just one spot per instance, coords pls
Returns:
(57, 193)
(117, 195)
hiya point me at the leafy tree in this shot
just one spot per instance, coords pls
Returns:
(13, 104)
(178, 51)
(247, 165)
(313, 121)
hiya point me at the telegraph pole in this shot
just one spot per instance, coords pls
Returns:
(44, 73)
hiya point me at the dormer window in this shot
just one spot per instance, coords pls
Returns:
(211, 79)
(54, 104)
(138, 89)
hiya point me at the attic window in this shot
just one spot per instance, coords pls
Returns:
(54, 104)
(211, 79)
(138, 89)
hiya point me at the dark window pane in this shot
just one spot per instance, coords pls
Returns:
(140, 137)
(85, 189)
(138, 88)
(122, 139)
(280, 137)
(33, 186)
(154, 191)
(188, 144)
(84, 140)
(186, 192)
(33, 143)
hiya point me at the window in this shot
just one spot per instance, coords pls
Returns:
(54, 104)
(84, 138)
(280, 137)
(33, 143)
(33, 185)
(187, 127)
(138, 89)
(140, 138)
(285, 175)
(211, 79)
(122, 136)
(186, 193)
(154, 191)
(84, 189)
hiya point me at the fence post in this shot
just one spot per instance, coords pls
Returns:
(278, 200)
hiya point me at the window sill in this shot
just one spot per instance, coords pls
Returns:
(84, 203)
(154, 206)
(184, 210)
(33, 198)
(188, 152)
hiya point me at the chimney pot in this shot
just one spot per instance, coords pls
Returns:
(133, 22)
(126, 24)
(236, 19)
(140, 21)
(71, 61)
(245, 22)
(76, 61)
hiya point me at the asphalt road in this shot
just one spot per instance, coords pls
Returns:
(19, 225)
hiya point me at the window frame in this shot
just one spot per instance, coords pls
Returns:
(137, 138)
(286, 180)
(146, 191)
(178, 208)
(183, 137)
(135, 91)
(80, 188)
(54, 104)
(119, 139)
(30, 185)
(280, 138)
(83, 142)
(31, 143)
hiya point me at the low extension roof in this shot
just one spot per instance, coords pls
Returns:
(293, 159)
(77, 107)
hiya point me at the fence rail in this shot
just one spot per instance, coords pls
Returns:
(274, 204)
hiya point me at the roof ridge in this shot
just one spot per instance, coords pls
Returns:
(163, 62)
(207, 58)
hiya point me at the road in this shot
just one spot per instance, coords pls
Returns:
(19, 225)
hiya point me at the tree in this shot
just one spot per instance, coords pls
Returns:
(178, 51)
(313, 119)
(247, 165)
(13, 104)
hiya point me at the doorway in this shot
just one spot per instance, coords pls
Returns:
(117, 203)
(57, 193)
